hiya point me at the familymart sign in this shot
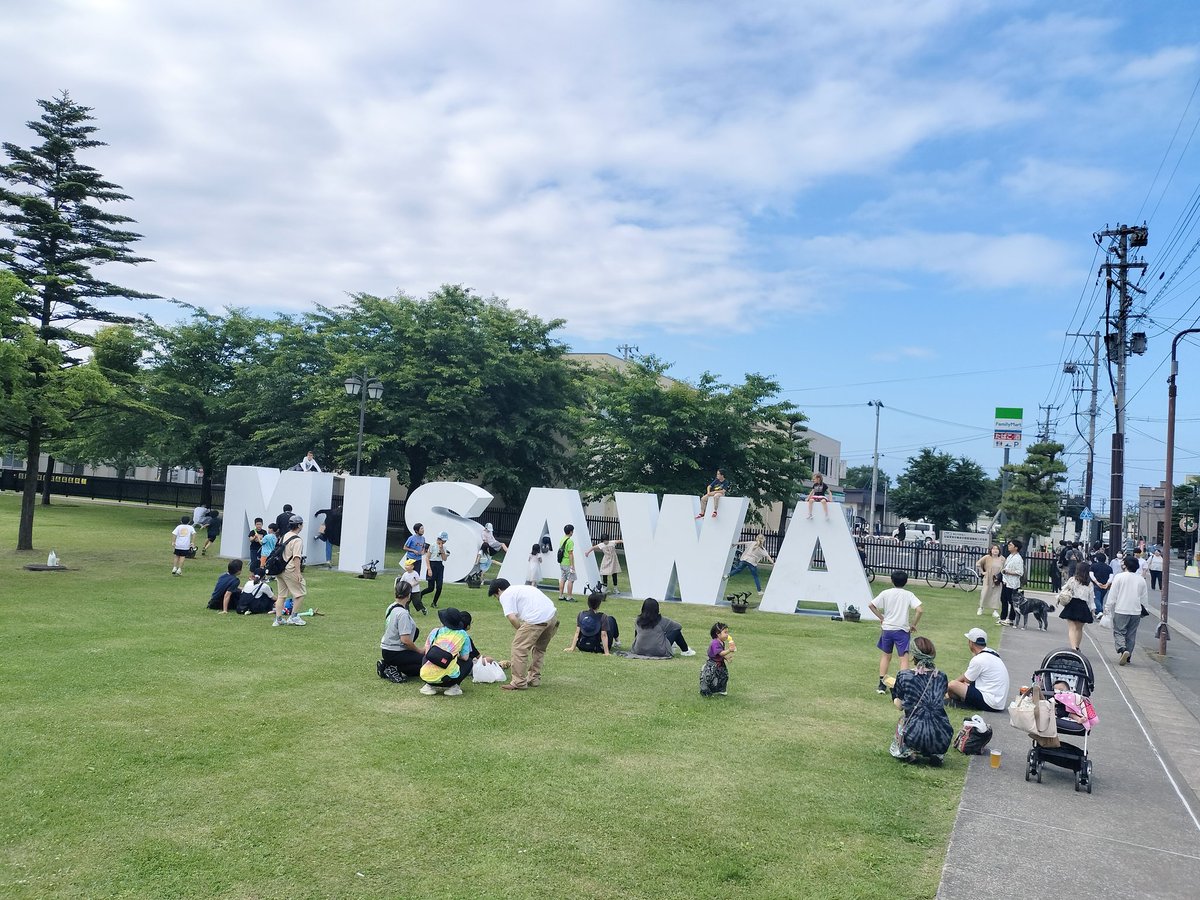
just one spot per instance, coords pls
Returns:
(1008, 426)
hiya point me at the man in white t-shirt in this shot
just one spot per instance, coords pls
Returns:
(985, 683)
(183, 539)
(200, 516)
(535, 620)
(892, 607)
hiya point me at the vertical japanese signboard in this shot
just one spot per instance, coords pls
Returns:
(1008, 426)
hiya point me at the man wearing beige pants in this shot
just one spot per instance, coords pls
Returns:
(535, 620)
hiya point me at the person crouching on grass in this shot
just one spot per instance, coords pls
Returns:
(714, 675)
(896, 603)
(447, 655)
(401, 656)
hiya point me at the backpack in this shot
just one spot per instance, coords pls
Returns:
(970, 740)
(275, 563)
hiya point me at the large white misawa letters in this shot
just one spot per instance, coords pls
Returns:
(669, 552)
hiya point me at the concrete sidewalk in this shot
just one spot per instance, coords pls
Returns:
(1137, 834)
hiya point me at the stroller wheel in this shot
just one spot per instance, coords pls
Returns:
(1039, 772)
(1086, 775)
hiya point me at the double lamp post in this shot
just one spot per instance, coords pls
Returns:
(363, 386)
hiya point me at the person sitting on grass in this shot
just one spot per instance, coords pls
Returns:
(447, 656)
(654, 633)
(227, 589)
(984, 685)
(401, 656)
(594, 631)
(256, 595)
(183, 542)
(924, 729)
(896, 603)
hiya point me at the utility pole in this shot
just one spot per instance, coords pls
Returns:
(1044, 434)
(878, 404)
(1071, 368)
(1116, 271)
(626, 349)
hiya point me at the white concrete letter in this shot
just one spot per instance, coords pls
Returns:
(550, 509)
(450, 506)
(253, 491)
(364, 522)
(671, 547)
(842, 582)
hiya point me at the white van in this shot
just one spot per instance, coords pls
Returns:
(917, 531)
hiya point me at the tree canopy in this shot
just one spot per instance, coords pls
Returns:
(940, 489)
(860, 477)
(1032, 500)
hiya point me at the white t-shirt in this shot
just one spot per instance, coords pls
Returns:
(528, 604)
(199, 514)
(262, 589)
(183, 536)
(413, 579)
(987, 672)
(896, 603)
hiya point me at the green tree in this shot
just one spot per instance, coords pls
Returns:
(53, 209)
(860, 477)
(940, 489)
(646, 432)
(1033, 498)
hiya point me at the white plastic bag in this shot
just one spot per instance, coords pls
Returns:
(487, 673)
(1104, 621)
(52, 559)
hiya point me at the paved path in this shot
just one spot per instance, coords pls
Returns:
(1137, 834)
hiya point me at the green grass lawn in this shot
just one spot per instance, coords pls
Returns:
(152, 748)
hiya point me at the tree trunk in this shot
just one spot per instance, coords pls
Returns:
(46, 481)
(164, 471)
(33, 449)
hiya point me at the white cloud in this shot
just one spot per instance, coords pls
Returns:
(1062, 183)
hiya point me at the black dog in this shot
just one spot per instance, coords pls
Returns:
(1039, 608)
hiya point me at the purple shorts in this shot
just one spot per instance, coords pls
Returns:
(897, 639)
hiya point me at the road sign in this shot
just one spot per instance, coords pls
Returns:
(1086, 515)
(1187, 523)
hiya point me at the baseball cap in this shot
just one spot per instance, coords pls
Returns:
(488, 527)
(444, 536)
(296, 520)
(409, 563)
(977, 636)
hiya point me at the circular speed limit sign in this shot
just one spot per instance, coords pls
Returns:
(1187, 523)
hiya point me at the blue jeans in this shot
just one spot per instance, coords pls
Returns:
(742, 564)
(1100, 594)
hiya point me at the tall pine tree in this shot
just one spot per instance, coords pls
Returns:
(58, 230)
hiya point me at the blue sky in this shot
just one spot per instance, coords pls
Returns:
(889, 200)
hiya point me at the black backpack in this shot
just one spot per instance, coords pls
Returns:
(275, 563)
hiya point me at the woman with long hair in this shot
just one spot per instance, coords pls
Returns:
(1076, 600)
(654, 633)
(989, 568)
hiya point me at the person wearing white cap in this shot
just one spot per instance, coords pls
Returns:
(436, 572)
(985, 683)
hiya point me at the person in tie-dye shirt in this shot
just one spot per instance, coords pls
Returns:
(454, 640)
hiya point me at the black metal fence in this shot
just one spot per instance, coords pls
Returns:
(918, 560)
(124, 490)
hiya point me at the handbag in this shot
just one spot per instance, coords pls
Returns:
(973, 737)
(1033, 714)
(998, 579)
(439, 656)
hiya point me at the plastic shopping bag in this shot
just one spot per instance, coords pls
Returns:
(487, 673)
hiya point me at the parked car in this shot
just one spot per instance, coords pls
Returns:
(917, 531)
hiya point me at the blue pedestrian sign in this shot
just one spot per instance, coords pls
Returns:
(1086, 515)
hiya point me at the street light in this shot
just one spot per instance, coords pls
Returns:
(354, 387)
(1163, 633)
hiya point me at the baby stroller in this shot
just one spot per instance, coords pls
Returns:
(1074, 668)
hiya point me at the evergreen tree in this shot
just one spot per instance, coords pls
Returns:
(52, 206)
(1032, 500)
(940, 489)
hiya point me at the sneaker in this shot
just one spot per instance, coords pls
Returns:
(278, 621)
(246, 613)
(428, 690)
(1124, 660)
(204, 551)
(701, 516)
(723, 693)
(296, 620)
(394, 675)
(455, 691)
(616, 643)
(688, 652)
(714, 513)
(379, 668)
(881, 688)
(979, 612)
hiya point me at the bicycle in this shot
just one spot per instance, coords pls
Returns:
(870, 573)
(964, 578)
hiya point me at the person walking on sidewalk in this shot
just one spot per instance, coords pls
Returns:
(1076, 598)
(1156, 570)
(1011, 575)
(1101, 576)
(535, 622)
(1125, 603)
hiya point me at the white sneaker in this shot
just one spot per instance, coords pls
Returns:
(428, 690)
(278, 621)
(688, 652)
(296, 620)
(979, 612)
(455, 691)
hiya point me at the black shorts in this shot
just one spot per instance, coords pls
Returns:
(975, 700)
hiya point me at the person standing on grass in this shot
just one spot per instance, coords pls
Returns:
(283, 521)
(1125, 603)
(268, 545)
(989, 568)
(436, 577)
(401, 656)
(291, 579)
(535, 622)
(227, 589)
(416, 548)
(566, 564)
(257, 533)
(610, 565)
(183, 540)
(755, 554)
(984, 685)
(214, 530)
(896, 604)
(1010, 577)
(716, 490)
(413, 579)
(331, 529)
(714, 674)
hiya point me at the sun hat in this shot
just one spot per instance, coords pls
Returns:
(451, 618)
